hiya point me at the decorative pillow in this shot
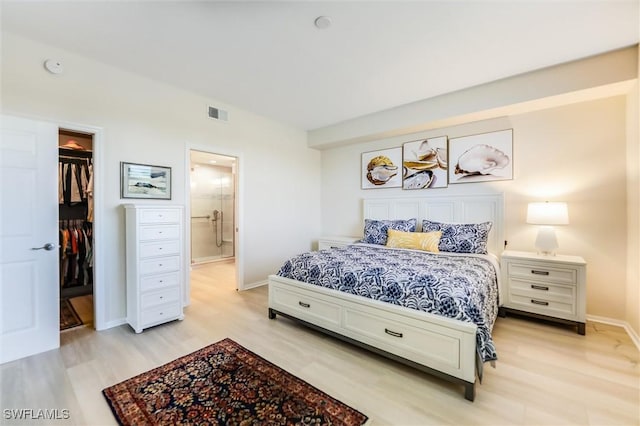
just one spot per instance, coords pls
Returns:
(427, 241)
(461, 237)
(375, 231)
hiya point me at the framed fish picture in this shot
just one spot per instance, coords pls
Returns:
(382, 168)
(425, 163)
(481, 158)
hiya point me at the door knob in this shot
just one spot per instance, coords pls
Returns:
(47, 247)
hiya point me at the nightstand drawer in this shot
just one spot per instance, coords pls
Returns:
(543, 290)
(554, 308)
(545, 273)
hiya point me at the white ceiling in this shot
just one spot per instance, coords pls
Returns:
(269, 58)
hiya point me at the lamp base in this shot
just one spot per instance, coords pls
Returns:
(546, 242)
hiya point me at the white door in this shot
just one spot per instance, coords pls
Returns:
(29, 282)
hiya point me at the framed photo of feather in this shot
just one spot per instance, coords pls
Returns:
(481, 158)
(382, 168)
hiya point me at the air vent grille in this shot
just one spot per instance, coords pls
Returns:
(218, 114)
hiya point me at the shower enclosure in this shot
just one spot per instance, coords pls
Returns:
(212, 207)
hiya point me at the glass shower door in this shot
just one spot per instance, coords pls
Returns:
(212, 209)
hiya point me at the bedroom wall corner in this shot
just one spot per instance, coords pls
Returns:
(633, 209)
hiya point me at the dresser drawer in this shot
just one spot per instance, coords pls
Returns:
(153, 282)
(305, 306)
(159, 265)
(160, 232)
(159, 216)
(155, 298)
(149, 249)
(538, 272)
(160, 314)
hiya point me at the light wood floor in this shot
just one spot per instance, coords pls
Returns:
(546, 374)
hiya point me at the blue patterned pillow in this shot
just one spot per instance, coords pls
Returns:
(461, 237)
(375, 231)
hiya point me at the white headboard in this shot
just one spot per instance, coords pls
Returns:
(451, 209)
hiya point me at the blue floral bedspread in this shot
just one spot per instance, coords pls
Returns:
(464, 287)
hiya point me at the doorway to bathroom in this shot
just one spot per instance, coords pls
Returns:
(213, 204)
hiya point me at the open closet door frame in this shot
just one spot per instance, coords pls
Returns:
(99, 293)
(239, 243)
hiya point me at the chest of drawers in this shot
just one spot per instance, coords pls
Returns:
(155, 264)
(552, 287)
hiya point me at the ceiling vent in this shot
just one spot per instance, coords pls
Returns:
(218, 114)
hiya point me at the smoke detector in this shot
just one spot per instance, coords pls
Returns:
(54, 66)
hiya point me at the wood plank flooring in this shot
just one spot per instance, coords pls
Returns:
(546, 374)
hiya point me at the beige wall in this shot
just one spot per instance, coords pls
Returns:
(574, 153)
(144, 121)
(633, 216)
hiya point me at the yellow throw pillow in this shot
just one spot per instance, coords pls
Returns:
(427, 241)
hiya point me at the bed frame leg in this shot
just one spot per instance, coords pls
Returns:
(272, 314)
(470, 391)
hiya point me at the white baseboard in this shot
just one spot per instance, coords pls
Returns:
(619, 323)
(112, 323)
(255, 285)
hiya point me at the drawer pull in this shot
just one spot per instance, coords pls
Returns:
(159, 264)
(392, 333)
(539, 287)
(304, 305)
(533, 271)
(539, 302)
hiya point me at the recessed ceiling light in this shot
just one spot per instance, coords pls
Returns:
(322, 22)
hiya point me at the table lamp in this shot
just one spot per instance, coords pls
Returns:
(547, 214)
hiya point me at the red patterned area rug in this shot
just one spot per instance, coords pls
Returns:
(224, 383)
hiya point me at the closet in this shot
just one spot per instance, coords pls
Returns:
(75, 201)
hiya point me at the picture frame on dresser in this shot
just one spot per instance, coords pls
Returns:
(145, 181)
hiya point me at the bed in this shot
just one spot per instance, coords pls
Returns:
(333, 290)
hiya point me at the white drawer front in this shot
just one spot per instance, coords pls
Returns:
(164, 232)
(160, 314)
(153, 282)
(159, 216)
(304, 306)
(543, 273)
(156, 298)
(541, 290)
(415, 343)
(545, 306)
(159, 265)
(159, 249)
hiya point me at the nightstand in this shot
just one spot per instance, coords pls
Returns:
(334, 242)
(548, 287)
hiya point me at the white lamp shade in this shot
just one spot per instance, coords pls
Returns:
(548, 213)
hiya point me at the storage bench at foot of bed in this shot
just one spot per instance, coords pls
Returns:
(437, 345)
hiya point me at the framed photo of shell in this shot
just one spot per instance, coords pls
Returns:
(481, 158)
(425, 163)
(382, 169)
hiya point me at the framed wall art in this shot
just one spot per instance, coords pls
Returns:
(481, 158)
(425, 163)
(145, 181)
(382, 169)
